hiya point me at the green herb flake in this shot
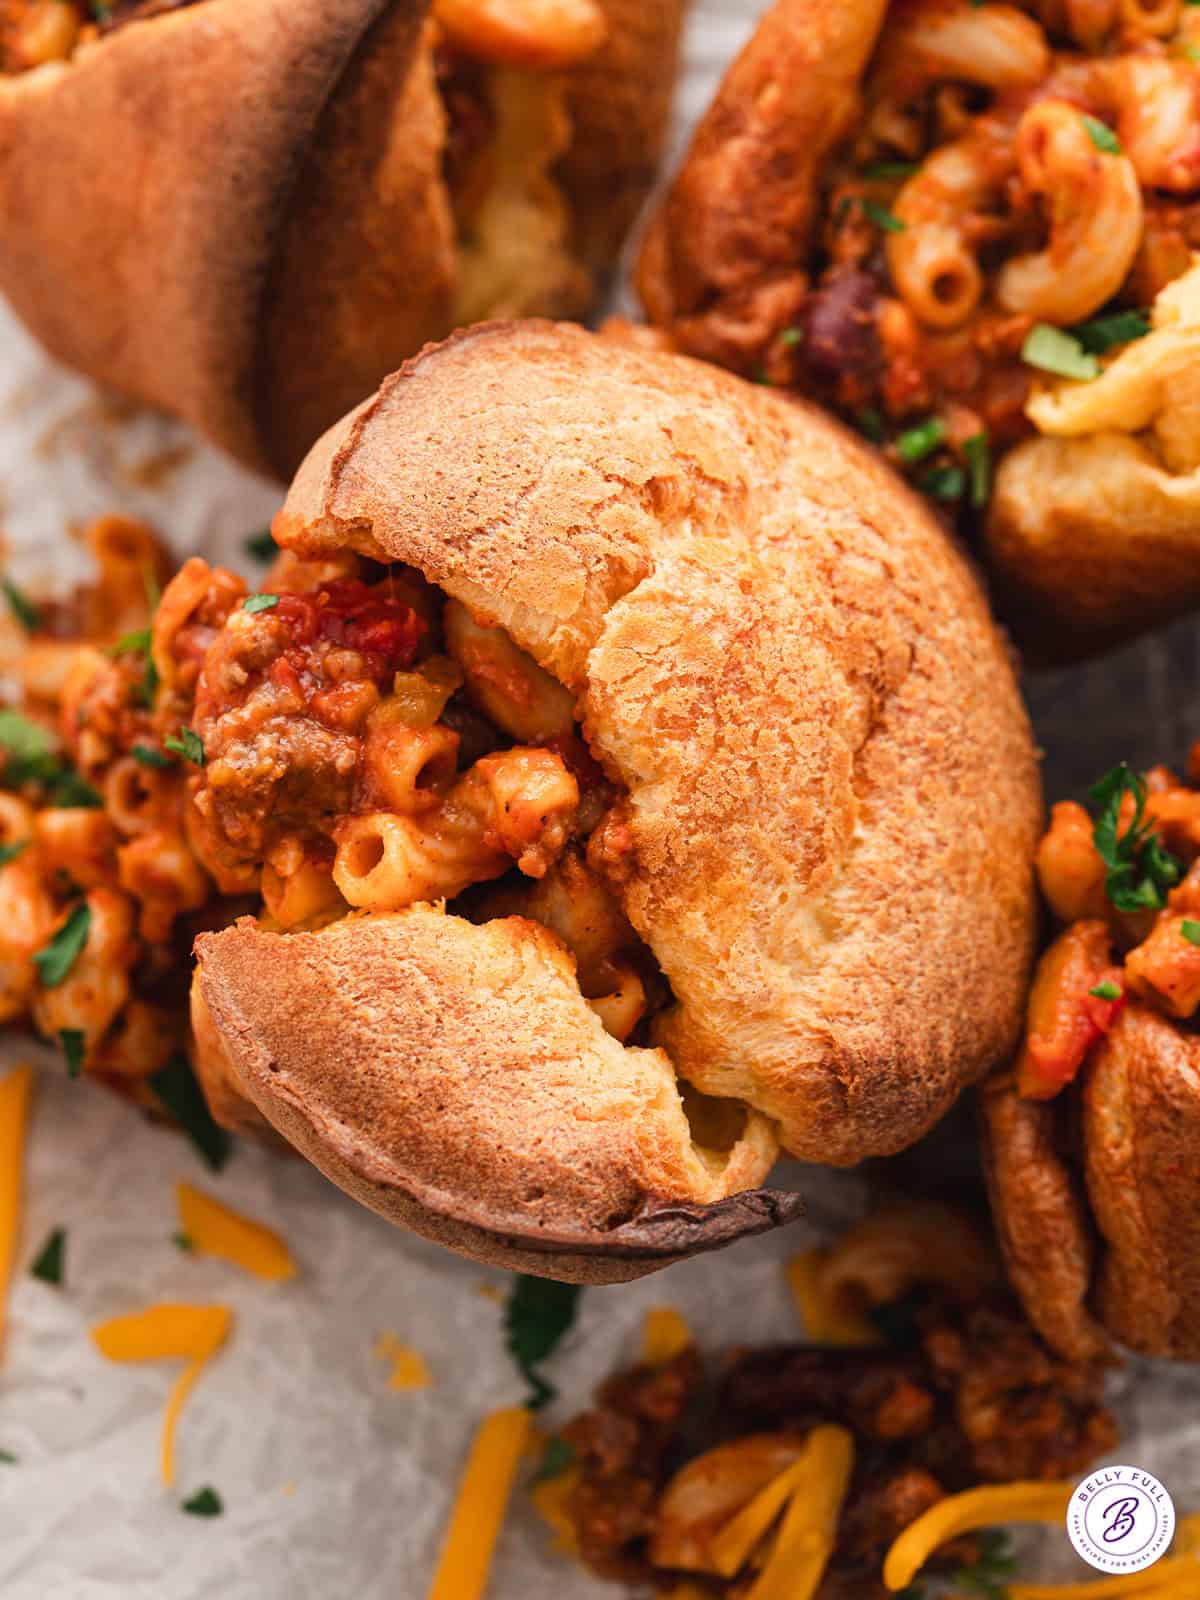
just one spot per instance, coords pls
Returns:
(537, 1318)
(176, 1087)
(21, 606)
(1190, 930)
(101, 10)
(7, 1458)
(914, 444)
(977, 452)
(184, 1242)
(871, 424)
(259, 602)
(55, 960)
(261, 547)
(1102, 136)
(883, 171)
(28, 748)
(10, 852)
(70, 791)
(49, 1264)
(150, 757)
(1139, 870)
(204, 1503)
(945, 483)
(1104, 333)
(74, 1048)
(556, 1458)
(882, 217)
(1050, 349)
(993, 1570)
(136, 643)
(187, 744)
(1108, 990)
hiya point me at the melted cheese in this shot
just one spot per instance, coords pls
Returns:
(666, 1335)
(15, 1093)
(987, 1507)
(164, 1333)
(730, 1549)
(483, 1494)
(214, 1230)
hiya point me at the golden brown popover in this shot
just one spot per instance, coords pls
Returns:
(971, 229)
(1093, 1141)
(246, 212)
(702, 667)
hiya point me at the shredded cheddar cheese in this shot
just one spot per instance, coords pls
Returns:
(165, 1333)
(666, 1336)
(964, 1513)
(483, 1493)
(409, 1371)
(550, 1500)
(730, 1549)
(807, 1537)
(825, 1321)
(15, 1093)
(215, 1230)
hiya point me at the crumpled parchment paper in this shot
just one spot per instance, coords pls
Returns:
(334, 1487)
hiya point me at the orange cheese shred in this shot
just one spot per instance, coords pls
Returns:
(16, 1091)
(665, 1336)
(808, 1534)
(483, 1494)
(165, 1333)
(409, 1371)
(551, 1498)
(730, 1549)
(825, 1321)
(986, 1507)
(215, 1230)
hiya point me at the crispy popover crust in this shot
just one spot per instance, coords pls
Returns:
(236, 211)
(1141, 1108)
(832, 796)
(453, 1078)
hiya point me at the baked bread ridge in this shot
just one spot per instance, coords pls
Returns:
(452, 1077)
(787, 666)
(205, 113)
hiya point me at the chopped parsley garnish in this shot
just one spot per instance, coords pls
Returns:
(28, 749)
(101, 10)
(1190, 930)
(536, 1319)
(945, 483)
(204, 1503)
(1102, 333)
(21, 606)
(978, 454)
(1102, 135)
(150, 757)
(70, 790)
(1108, 990)
(138, 643)
(10, 852)
(55, 960)
(183, 1241)
(74, 1048)
(187, 744)
(914, 444)
(7, 1458)
(870, 423)
(260, 546)
(993, 1570)
(176, 1086)
(259, 602)
(880, 171)
(1052, 350)
(556, 1458)
(49, 1263)
(882, 217)
(790, 337)
(1140, 869)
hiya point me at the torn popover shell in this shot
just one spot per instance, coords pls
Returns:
(322, 186)
(453, 1078)
(1140, 1171)
(830, 795)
